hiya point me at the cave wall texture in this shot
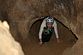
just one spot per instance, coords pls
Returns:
(21, 14)
(8, 45)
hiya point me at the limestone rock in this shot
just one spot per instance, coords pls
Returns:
(8, 46)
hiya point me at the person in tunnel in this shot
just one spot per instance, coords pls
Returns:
(47, 27)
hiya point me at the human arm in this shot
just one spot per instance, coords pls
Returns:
(41, 29)
(56, 30)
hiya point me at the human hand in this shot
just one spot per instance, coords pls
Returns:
(40, 42)
(58, 40)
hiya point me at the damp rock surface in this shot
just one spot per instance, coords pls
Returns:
(21, 14)
(8, 45)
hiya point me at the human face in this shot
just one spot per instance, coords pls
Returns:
(49, 25)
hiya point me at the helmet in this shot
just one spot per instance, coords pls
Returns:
(49, 20)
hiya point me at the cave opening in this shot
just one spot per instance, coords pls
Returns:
(63, 31)
(67, 37)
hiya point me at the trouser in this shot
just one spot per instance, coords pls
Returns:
(47, 36)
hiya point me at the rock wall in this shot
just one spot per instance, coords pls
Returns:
(21, 14)
(8, 46)
(77, 49)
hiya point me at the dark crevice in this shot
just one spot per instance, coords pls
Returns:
(67, 37)
(36, 26)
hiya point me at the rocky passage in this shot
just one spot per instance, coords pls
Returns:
(31, 45)
(21, 14)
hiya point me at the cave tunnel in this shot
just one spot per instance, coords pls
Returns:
(67, 39)
(14, 13)
(32, 47)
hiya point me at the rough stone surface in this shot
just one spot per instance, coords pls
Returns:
(8, 46)
(21, 14)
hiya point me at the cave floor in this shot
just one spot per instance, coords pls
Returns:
(31, 44)
(50, 48)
